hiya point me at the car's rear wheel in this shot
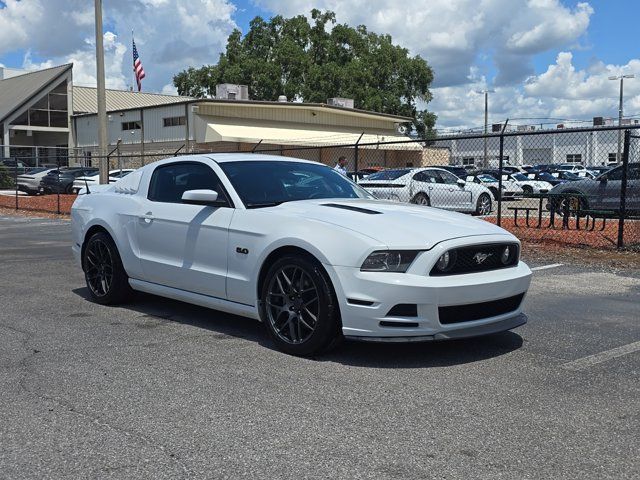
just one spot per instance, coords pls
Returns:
(483, 204)
(298, 306)
(421, 199)
(104, 274)
(527, 189)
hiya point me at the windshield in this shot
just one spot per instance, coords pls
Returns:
(268, 183)
(389, 174)
(519, 177)
(33, 171)
(546, 176)
(569, 176)
(486, 178)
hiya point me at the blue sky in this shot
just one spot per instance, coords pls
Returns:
(545, 58)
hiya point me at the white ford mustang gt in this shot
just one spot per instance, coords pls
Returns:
(298, 246)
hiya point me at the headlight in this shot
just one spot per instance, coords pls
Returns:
(389, 261)
(509, 254)
(446, 261)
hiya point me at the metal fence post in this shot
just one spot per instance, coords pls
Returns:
(58, 185)
(500, 165)
(356, 157)
(623, 188)
(15, 180)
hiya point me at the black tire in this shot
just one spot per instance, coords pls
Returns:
(287, 308)
(527, 189)
(69, 189)
(421, 199)
(106, 279)
(483, 204)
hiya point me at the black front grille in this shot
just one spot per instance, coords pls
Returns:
(478, 311)
(478, 258)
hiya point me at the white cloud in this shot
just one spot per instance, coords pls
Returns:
(561, 92)
(174, 35)
(452, 34)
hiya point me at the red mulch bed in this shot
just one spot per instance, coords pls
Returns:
(39, 203)
(607, 238)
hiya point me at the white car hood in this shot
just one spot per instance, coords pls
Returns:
(395, 225)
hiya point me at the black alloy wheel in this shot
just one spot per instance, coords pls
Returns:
(298, 306)
(104, 274)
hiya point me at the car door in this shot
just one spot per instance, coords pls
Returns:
(609, 190)
(457, 196)
(183, 245)
(426, 182)
(633, 188)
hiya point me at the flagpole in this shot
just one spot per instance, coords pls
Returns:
(132, 69)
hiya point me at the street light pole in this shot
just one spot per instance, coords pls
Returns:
(486, 123)
(102, 102)
(621, 78)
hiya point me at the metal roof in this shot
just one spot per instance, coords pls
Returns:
(85, 100)
(17, 91)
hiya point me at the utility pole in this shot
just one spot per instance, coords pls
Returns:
(102, 102)
(621, 78)
(486, 123)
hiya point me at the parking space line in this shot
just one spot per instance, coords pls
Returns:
(586, 362)
(544, 267)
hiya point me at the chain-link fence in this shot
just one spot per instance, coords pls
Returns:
(572, 187)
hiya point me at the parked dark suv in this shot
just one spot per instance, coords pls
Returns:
(61, 180)
(603, 193)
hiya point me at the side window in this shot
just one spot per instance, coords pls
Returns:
(430, 176)
(448, 178)
(615, 174)
(419, 177)
(169, 182)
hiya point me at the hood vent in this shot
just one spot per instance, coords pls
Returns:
(352, 208)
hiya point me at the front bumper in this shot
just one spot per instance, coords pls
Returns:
(366, 299)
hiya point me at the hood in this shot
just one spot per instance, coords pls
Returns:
(396, 225)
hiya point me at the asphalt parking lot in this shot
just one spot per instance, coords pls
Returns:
(161, 389)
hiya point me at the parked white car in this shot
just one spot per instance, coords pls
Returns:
(29, 181)
(430, 186)
(114, 175)
(571, 167)
(528, 185)
(300, 247)
(509, 188)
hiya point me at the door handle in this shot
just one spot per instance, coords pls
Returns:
(147, 217)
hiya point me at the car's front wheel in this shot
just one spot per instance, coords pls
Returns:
(104, 274)
(299, 307)
(483, 205)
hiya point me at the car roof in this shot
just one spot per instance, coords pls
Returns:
(248, 157)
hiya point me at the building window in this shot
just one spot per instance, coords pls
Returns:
(174, 121)
(613, 158)
(468, 161)
(574, 158)
(131, 125)
(49, 111)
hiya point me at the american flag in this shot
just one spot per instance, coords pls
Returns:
(137, 66)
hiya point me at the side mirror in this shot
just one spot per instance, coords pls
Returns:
(461, 182)
(200, 197)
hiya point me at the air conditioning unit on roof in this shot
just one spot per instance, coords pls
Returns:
(340, 102)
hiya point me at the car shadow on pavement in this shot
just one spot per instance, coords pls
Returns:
(352, 353)
(424, 354)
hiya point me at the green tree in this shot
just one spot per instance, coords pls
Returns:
(6, 181)
(305, 60)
